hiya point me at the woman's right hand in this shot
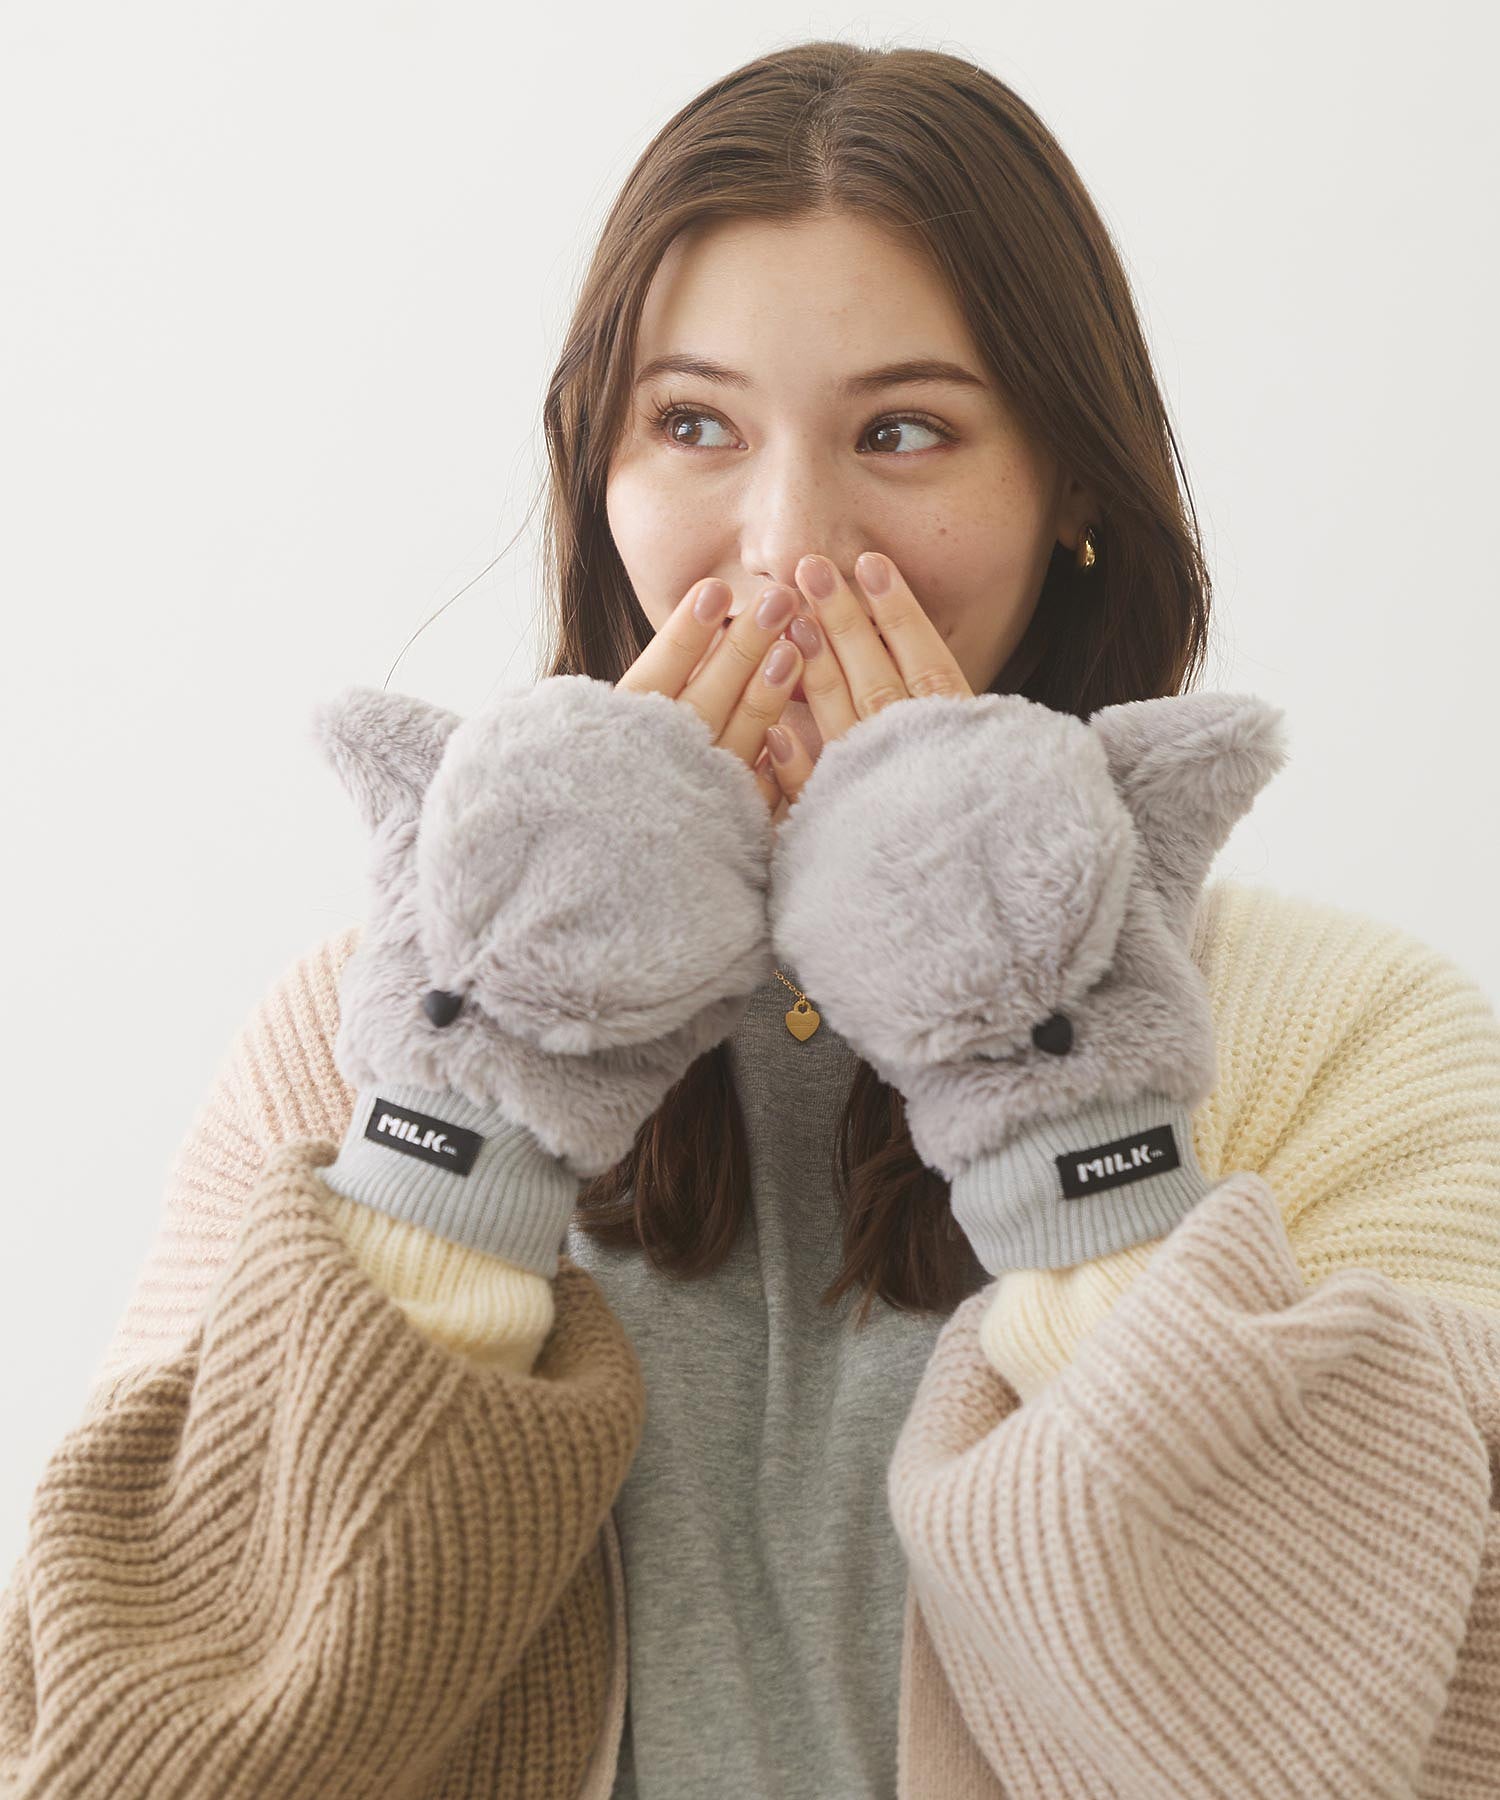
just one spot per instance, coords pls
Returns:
(723, 668)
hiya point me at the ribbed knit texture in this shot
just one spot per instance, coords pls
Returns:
(1359, 1073)
(513, 1202)
(1242, 1539)
(277, 1083)
(1245, 1545)
(1017, 1213)
(1244, 1542)
(315, 1554)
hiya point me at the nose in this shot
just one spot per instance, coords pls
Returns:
(1054, 1035)
(440, 1006)
(800, 498)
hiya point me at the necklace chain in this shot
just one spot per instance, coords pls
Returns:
(803, 1019)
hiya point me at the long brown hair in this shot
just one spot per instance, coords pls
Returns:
(943, 150)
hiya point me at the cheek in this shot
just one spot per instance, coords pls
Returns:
(971, 571)
(665, 542)
(971, 561)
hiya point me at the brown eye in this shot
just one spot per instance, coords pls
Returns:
(440, 1006)
(1054, 1035)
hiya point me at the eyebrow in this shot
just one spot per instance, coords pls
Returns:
(897, 374)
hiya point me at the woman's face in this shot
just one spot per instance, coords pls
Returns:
(800, 445)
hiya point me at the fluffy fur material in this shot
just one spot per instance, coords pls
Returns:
(956, 870)
(584, 866)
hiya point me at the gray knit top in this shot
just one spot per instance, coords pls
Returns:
(764, 1581)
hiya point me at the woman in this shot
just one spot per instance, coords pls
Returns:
(853, 325)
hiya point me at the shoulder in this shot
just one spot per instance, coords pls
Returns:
(279, 1072)
(1247, 931)
(276, 1081)
(1299, 984)
(1359, 1072)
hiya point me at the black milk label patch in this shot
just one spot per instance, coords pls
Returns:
(419, 1134)
(1114, 1164)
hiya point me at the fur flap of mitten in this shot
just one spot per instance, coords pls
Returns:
(568, 902)
(993, 901)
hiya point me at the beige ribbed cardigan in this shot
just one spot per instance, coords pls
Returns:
(1245, 1542)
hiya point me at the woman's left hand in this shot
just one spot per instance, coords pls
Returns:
(865, 660)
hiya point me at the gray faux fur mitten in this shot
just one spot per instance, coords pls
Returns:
(568, 908)
(993, 902)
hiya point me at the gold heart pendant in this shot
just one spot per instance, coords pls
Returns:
(802, 1021)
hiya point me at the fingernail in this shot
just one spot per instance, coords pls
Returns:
(818, 573)
(805, 636)
(874, 573)
(781, 662)
(776, 607)
(713, 596)
(780, 744)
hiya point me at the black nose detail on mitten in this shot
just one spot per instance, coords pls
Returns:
(442, 1008)
(1054, 1035)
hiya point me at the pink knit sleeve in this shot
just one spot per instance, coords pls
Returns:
(1246, 1543)
(1242, 1536)
(278, 1083)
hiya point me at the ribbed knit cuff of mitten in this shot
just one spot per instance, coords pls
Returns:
(1065, 1190)
(460, 1169)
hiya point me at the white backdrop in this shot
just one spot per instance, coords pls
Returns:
(283, 284)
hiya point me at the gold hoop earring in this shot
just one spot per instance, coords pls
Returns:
(1087, 554)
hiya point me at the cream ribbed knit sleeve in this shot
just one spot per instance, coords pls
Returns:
(315, 1552)
(1359, 1073)
(1244, 1539)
